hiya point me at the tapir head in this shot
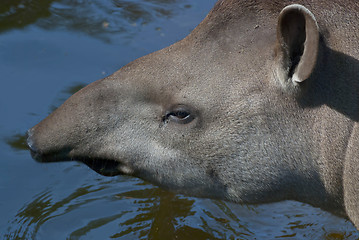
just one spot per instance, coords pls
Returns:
(204, 116)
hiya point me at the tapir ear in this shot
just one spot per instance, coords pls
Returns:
(298, 44)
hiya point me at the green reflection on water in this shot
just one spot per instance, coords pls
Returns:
(158, 215)
(20, 13)
(94, 224)
(75, 88)
(17, 142)
(161, 215)
(337, 236)
(95, 18)
(43, 208)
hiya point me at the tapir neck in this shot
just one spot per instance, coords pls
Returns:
(313, 150)
(328, 150)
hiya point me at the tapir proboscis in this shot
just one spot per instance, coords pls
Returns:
(260, 103)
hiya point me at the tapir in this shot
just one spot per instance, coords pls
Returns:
(259, 103)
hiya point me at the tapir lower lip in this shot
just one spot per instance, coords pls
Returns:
(35, 155)
(43, 158)
(104, 167)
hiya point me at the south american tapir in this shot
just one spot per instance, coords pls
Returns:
(259, 103)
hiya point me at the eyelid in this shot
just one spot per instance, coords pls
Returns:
(172, 116)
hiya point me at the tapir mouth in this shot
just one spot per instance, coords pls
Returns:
(105, 167)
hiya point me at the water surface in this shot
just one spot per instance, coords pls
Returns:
(49, 49)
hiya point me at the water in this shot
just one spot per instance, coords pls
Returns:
(50, 49)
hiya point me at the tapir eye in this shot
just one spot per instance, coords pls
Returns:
(179, 114)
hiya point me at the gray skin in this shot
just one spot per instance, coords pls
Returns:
(258, 104)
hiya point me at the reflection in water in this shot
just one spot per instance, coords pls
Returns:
(158, 214)
(43, 208)
(159, 218)
(152, 213)
(17, 142)
(21, 13)
(28, 216)
(73, 89)
(65, 94)
(240, 230)
(96, 18)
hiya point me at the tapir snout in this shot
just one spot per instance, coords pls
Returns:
(258, 104)
(77, 131)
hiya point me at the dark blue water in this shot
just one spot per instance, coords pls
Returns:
(50, 49)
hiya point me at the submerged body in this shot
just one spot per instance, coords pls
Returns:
(258, 104)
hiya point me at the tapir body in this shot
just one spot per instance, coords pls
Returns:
(258, 104)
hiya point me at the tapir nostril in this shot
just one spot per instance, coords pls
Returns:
(30, 141)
